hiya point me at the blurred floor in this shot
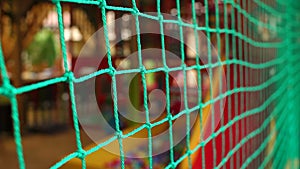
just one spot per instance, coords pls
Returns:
(40, 150)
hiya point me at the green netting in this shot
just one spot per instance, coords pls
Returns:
(248, 61)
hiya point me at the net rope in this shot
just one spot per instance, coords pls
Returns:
(280, 103)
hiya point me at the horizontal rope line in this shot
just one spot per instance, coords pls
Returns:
(64, 160)
(38, 85)
(79, 2)
(92, 150)
(179, 68)
(42, 84)
(235, 5)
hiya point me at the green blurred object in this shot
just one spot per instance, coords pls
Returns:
(43, 48)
